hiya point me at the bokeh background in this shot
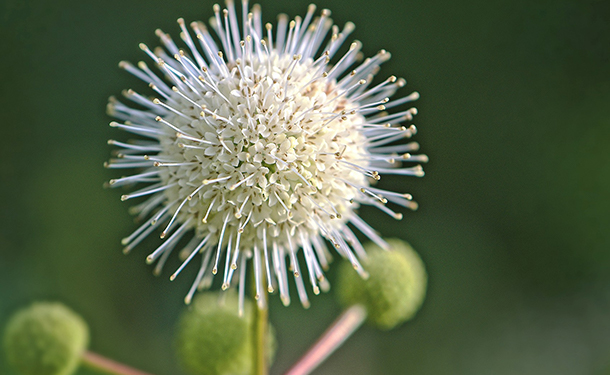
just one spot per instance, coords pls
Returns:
(514, 211)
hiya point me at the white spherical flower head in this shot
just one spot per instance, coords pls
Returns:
(261, 144)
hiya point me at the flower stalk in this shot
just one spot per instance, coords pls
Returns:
(260, 332)
(341, 329)
(108, 366)
(260, 339)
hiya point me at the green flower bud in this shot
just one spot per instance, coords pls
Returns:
(45, 339)
(212, 339)
(395, 288)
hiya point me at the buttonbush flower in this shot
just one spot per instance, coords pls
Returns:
(260, 143)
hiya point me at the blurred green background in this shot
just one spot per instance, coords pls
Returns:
(514, 210)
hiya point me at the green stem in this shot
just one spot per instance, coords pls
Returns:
(260, 344)
(108, 366)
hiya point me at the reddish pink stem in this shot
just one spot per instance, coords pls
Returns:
(331, 340)
(109, 366)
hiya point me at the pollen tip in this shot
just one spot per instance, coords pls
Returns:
(163, 234)
(270, 289)
(124, 197)
(233, 266)
(225, 286)
(214, 271)
(172, 277)
(149, 259)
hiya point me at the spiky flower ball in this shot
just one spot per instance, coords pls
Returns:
(395, 288)
(214, 338)
(260, 144)
(45, 339)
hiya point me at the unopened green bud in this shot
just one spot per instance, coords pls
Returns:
(395, 288)
(45, 339)
(212, 339)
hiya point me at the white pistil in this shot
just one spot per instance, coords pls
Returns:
(146, 191)
(222, 233)
(236, 185)
(204, 220)
(204, 265)
(267, 261)
(155, 254)
(190, 257)
(258, 278)
(141, 130)
(194, 139)
(142, 177)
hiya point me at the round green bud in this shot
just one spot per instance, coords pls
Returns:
(45, 339)
(212, 339)
(395, 288)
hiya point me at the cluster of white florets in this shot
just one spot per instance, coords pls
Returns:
(263, 149)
